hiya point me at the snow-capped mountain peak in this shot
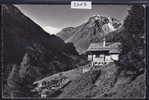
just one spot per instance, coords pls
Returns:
(91, 31)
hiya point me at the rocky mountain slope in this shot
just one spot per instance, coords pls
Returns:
(29, 52)
(90, 31)
(105, 83)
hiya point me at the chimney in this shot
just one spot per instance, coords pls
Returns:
(104, 42)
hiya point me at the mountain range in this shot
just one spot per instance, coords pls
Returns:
(91, 31)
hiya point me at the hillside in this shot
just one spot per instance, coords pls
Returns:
(90, 31)
(104, 83)
(35, 52)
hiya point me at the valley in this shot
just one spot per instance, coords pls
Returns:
(37, 64)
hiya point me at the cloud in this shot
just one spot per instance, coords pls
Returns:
(51, 30)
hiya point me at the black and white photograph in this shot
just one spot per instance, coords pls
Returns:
(55, 51)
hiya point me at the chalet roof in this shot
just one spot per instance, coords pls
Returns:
(111, 47)
(114, 51)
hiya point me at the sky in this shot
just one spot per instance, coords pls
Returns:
(53, 18)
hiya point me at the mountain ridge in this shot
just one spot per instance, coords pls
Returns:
(91, 31)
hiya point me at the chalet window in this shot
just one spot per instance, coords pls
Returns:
(101, 56)
(97, 56)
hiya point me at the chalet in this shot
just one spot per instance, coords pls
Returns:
(103, 53)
